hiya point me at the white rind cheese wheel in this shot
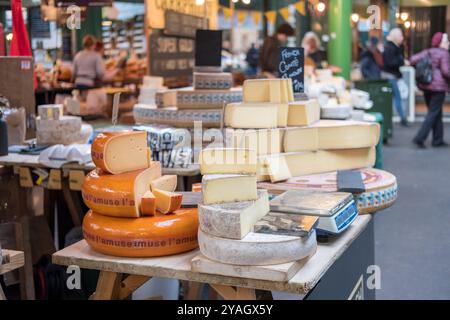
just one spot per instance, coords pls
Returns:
(256, 249)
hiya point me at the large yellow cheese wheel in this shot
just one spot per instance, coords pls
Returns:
(122, 151)
(160, 235)
(118, 195)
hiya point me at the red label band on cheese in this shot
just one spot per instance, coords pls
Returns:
(118, 195)
(118, 152)
(155, 236)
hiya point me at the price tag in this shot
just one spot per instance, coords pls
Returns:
(115, 110)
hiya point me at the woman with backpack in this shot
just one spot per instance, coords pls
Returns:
(433, 75)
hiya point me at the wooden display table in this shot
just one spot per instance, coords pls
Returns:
(119, 277)
(12, 260)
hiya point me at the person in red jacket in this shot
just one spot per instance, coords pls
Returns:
(435, 91)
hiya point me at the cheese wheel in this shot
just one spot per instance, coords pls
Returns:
(160, 235)
(118, 195)
(118, 152)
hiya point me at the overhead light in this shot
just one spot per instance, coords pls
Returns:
(404, 16)
(235, 1)
(355, 17)
(407, 24)
(246, 1)
(199, 2)
(106, 23)
(397, 14)
(321, 7)
(9, 36)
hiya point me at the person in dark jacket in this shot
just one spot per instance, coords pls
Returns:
(393, 60)
(313, 49)
(252, 60)
(371, 60)
(435, 91)
(269, 54)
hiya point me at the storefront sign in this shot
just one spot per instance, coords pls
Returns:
(183, 25)
(292, 63)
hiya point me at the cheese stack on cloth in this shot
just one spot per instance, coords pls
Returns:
(231, 206)
(289, 137)
(134, 210)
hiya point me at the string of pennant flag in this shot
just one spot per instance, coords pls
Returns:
(270, 15)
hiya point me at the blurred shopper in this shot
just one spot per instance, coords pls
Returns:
(88, 65)
(100, 48)
(313, 49)
(393, 60)
(252, 60)
(269, 55)
(434, 91)
(372, 60)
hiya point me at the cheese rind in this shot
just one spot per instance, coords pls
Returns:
(264, 141)
(51, 111)
(66, 130)
(167, 202)
(284, 166)
(303, 113)
(148, 204)
(227, 160)
(197, 99)
(251, 116)
(118, 152)
(166, 183)
(221, 188)
(256, 249)
(118, 195)
(233, 220)
(267, 90)
(332, 134)
(222, 80)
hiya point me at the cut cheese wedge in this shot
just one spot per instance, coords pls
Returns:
(118, 152)
(227, 160)
(166, 183)
(332, 134)
(256, 249)
(233, 220)
(220, 188)
(303, 113)
(167, 202)
(118, 195)
(284, 166)
(251, 116)
(156, 236)
(148, 204)
(264, 141)
(268, 90)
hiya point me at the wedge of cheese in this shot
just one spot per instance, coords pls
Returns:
(268, 90)
(227, 160)
(251, 115)
(167, 202)
(233, 220)
(118, 195)
(284, 166)
(332, 134)
(148, 204)
(220, 188)
(166, 183)
(303, 113)
(118, 152)
(264, 141)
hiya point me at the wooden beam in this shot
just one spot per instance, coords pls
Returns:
(108, 286)
(131, 284)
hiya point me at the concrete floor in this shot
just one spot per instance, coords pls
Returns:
(412, 238)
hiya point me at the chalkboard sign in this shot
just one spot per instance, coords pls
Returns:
(292, 63)
(38, 27)
(170, 56)
(208, 48)
(180, 24)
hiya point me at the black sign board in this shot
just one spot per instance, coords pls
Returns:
(208, 48)
(170, 56)
(292, 64)
(84, 3)
(180, 24)
(38, 27)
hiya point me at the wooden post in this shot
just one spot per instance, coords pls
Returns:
(108, 286)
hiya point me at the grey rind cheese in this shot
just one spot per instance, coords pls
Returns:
(256, 249)
(223, 80)
(233, 220)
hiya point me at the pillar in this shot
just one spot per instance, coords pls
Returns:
(393, 8)
(91, 25)
(340, 45)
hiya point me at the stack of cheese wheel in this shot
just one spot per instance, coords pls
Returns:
(231, 206)
(289, 137)
(134, 211)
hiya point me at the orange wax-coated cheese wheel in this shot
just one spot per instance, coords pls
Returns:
(167, 202)
(118, 195)
(123, 151)
(148, 204)
(159, 235)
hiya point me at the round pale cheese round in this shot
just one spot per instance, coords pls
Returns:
(160, 235)
(256, 249)
(118, 195)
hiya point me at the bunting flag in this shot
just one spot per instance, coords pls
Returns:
(227, 13)
(256, 16)
(241, 16)
(300, 7)
(271, 16)
(284, 12)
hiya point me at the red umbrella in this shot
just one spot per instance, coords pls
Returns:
(2, 41)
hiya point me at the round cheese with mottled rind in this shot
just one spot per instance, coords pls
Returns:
(160, 235)
(118, 195)
(256, 249)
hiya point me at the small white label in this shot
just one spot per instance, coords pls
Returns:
(115, 110)
(358, 290)
(25, 64)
